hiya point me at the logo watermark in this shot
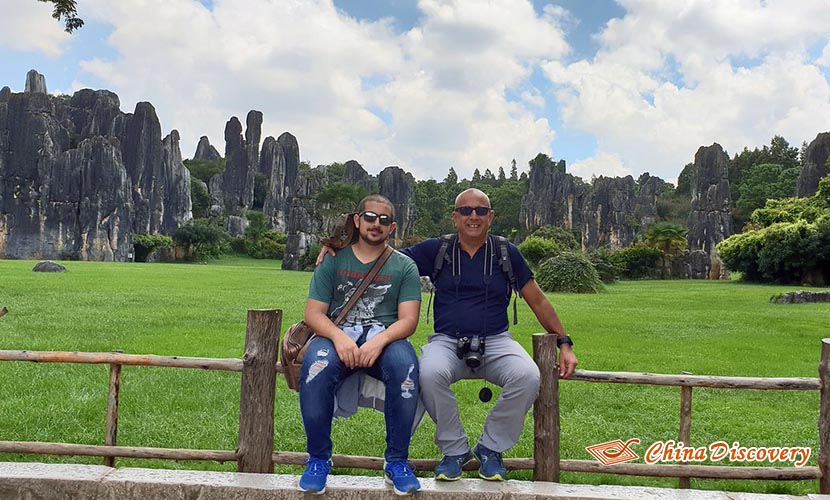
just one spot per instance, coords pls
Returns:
(616, 452)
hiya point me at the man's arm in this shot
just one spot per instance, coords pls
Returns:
(546, 314)
(403, 328)
(318, 320)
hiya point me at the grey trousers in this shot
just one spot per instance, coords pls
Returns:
(505, 363)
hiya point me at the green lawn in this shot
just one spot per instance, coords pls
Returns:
(716, 328)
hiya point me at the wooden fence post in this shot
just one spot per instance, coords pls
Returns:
(256, 400)
(111, 437)
(546, 410)
(685, 427)
(824, 418)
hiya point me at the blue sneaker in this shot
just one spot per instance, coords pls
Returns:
(492, 467)
(399, 475)
(314, 477)
(449, 468)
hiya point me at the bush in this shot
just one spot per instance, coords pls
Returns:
(563, 237)
(536, 249)
(308, 260)
(569, 272)
(609, 271)
(145, 244)
(269, 245)
(204, 239)
(638, 261)
(786, 252)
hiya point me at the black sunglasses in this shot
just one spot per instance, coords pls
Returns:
(480, 211)
(371, 217)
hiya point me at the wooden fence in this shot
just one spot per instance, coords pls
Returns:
(255, 451)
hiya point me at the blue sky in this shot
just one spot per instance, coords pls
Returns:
(613, 88)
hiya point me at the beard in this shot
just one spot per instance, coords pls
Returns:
(371, 239)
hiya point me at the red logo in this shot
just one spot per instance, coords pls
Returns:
(614, 452)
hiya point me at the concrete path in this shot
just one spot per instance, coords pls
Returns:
(33, 481)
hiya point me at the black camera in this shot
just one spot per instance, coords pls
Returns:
(470, 349)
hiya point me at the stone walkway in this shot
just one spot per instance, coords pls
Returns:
(28, 481)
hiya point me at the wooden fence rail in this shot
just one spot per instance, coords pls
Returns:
(255, 451)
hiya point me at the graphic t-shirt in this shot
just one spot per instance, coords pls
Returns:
(337, 278)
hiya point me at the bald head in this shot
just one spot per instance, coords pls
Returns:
(472, 193)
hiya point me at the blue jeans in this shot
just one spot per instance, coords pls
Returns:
(396, 367)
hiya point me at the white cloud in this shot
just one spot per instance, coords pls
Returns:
(321, 75)
(603, 163)
(28, 26)
(673, 76)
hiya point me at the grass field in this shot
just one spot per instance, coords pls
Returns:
(714, 328)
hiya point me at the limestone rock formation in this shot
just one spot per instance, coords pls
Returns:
(399, 187)
(234, 188)
(272, 166)
(356, 175)
(78, 177)
(554, 198)
(204, 150)
(710, 220)
(35, 83)
(5, 93)
(607, 214)
(815, 165)
(291, 151)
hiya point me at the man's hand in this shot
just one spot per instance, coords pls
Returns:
(347, 350)
(323, 251)
(369, 352)
(567, 361)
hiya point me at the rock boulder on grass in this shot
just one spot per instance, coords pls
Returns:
(800, 297)
(48, 266)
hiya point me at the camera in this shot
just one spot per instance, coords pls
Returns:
(470, 349)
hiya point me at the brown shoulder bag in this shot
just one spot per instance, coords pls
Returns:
(299, 335)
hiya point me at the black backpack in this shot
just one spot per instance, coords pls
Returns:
(502, 248)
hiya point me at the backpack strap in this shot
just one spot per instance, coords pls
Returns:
(444, 243)
(506, 265)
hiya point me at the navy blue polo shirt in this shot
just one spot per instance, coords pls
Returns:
(465, 303)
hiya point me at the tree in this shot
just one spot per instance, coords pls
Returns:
(66, 9)
(788, 241)
(514, 173)
(430, 208)
(200, 198)
(342, 197)
(501, 178)
(476, 177)
(670, 239)
(203, 238)
(765, 181)
(507, 202)
(204, 169)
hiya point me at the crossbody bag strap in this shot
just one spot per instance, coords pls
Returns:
(364, 284)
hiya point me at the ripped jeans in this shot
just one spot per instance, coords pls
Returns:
(321, 376)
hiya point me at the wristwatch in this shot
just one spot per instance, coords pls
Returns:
(564, 340)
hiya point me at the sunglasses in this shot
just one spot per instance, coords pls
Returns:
(371, 217)
(480, 211)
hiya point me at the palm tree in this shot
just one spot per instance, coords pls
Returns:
(670, 239)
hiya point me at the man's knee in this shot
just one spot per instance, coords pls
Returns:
(525, 379)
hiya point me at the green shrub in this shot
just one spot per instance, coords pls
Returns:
(145, 244)
(204, 169)
(269, 245)
(638, 261)
(536, 249)
(787, 241)
(609, 271)
(308, 261)
(561, 236)
(569, 272)
(203, 238)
